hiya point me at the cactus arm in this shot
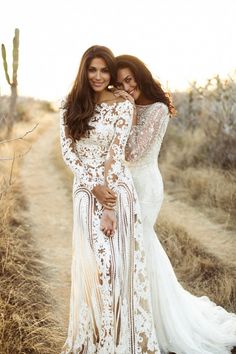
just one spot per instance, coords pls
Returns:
(15, 55)
(4, 57)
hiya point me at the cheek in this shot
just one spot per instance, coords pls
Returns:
(137, 93)
(90, 75)
(107, 77)
(134, 83)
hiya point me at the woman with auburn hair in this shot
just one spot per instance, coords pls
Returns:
(110, 306)
(185, 324)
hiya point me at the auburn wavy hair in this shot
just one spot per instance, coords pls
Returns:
(80, 102)
(149, 87)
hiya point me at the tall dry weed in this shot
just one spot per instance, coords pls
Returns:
(200, 272)
(26, 306)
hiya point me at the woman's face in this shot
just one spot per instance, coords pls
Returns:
(98, 75)
(126, 81)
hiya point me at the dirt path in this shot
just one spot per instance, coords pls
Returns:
(50, 214)
(212, 236)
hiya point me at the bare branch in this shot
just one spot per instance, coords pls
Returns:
(21, 137)
(15, 156)
(15, 139)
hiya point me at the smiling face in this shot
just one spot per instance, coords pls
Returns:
(126, 81)
(98, 75)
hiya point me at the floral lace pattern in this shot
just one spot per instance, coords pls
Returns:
(147, 135)
(110, 306)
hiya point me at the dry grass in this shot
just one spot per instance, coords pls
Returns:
(211, 189)
(199, 272)
(26, 307)
(208, 189)
(26, 324)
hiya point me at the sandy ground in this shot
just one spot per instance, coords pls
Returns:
(50, 218)
(50, 215)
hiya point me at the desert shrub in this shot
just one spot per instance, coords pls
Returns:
(26, 109)
(211, 111)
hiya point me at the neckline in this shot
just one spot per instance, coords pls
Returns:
(105, 104)
(109, 104)
(145, 105)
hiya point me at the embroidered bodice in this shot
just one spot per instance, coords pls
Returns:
(98, 158)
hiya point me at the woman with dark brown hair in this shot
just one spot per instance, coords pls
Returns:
(110, 307)
(185, 324)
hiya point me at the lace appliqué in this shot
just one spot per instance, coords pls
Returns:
(152, 121)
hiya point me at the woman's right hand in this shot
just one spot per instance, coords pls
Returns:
(127, 96)
(108, 222)
(123, 94)
(105, 196)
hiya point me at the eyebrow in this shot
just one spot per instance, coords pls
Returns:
(94, 67)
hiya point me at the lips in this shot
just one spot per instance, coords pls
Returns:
(97, 84)
(132, 92)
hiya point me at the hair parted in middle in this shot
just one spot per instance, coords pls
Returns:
(149, 87)
(80, 103)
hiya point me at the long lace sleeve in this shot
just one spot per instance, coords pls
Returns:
(151, 127)
(115, 156)
(72, 160)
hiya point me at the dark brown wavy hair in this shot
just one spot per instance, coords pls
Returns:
(149, 87)
(79, 104)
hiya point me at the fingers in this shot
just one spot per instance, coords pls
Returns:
(110, 200)
(106, 206)
(109, 206)
(108, 231)
(125, 95)
(111, 193)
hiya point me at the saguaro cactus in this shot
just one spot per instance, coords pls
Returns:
(13, 83)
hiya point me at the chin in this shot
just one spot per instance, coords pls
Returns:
(99, 89)
(136, 97)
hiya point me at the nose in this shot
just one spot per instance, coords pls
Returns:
(98, 75)
(126, 86)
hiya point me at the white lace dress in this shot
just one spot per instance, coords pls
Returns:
(110, 307)
(185, 324)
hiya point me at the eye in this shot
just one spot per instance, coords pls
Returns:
(91, 70)
(105, 70)
(128, 79)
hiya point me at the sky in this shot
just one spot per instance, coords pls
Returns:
(179, 40)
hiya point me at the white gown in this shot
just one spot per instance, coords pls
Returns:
(110, 306)
(185, 324)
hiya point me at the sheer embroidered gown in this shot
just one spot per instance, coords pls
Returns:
(185, 324)
(110, 306)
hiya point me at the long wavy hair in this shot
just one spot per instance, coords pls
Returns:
(149, 87)
(80, 103)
